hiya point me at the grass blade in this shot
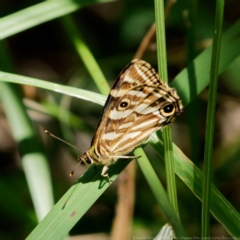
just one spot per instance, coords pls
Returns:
(159, 192)
(207, 172)
(86, 56)
(167, 133)
(75, 202)
(220, 208)
(34, 162)
(39, 13)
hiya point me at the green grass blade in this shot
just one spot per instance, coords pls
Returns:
(33, 160)
(208, 152)
(220, 208)
(75, 202)
(199, 70)
(159, 192)
(161, 43)
(40, 13)
(169, 163)
(71, 91)
(167, 132)
(86, 55)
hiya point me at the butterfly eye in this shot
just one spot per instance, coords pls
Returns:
(167, 110)
(125, 103)
(88, 160)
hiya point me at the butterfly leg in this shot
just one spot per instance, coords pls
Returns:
(105, 167)
(105, 174)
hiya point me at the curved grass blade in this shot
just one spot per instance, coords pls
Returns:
(210, 122)
(40, 13)
(34, 162)
(75, 202)
(71, 91)
(167, 132)
(159, 192)
(193, 79)
(222, 210)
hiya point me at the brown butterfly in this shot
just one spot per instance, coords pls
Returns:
(139, 104)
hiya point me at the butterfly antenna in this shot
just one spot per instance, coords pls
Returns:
(72, 172)
(52, 135)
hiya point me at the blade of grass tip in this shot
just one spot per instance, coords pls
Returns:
(221, 209)
(75, 203)
(198, 71)
(40, 13)
(211, 118)
(86, 55)
(159, 192)
(71, 91)
(167, 131)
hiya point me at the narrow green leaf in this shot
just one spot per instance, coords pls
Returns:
(193, 79)
(208, 152)
(40, 13)
(71, 91)
(159, 192)
(86, 55)
(34, 162)
(167, 133)
(221, 209)
(75, 202)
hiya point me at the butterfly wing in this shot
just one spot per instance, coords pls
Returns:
(134, 110)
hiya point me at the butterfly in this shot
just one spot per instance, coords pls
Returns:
(138, 104)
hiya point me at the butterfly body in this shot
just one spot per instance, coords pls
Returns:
(139, 104)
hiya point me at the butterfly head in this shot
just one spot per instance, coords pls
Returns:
(85, 159)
